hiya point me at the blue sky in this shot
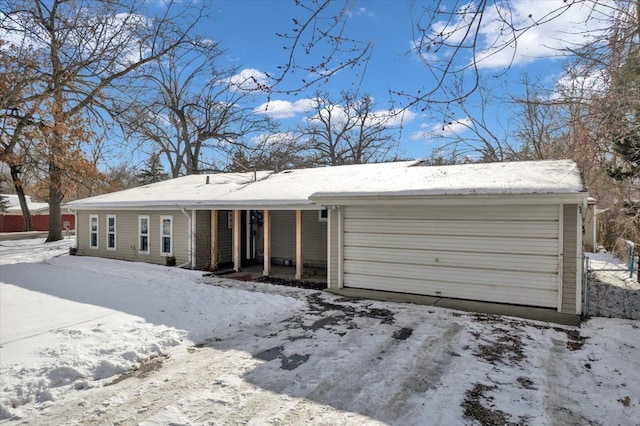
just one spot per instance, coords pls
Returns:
(247, 30)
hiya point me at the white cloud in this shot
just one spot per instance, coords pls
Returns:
(392, 118)
(581, 86)
(249, 79)
(362, 11)
(273, 138)
(285, 109)
(551, 27)
(281, 109)
(431, 131)
(454, 32)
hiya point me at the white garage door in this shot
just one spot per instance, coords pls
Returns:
(506, 254)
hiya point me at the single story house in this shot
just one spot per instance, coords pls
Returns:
(502, 232)
(11, 218)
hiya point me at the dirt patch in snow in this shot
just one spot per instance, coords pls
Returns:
(507, 341)
(309, 285)
(402, 334)
(145, 369)
(290, 362)
(478, 406)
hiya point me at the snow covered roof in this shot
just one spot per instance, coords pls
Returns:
(300, 187)
(13, 205)
(192, 190)
(297, 185)
(522, 177)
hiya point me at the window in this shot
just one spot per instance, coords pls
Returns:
(323, 215)
(166, 235)
(111, 232)
(143, 234)
(93, 231)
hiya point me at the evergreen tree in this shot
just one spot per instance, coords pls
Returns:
(628, 150)
(4, 202)
(153, 172)
(626, 86)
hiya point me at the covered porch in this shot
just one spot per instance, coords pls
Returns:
(284, 243)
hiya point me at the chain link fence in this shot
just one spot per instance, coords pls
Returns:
(611, 291)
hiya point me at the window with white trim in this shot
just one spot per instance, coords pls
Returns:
(93, 231)
(323, 215)
(166, 235)
(143, 234)
(111, 232)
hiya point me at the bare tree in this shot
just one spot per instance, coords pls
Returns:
(271, 151)
(349, 131)
(606, 118)
(541, 124)
(321, 26)
(594, 118)
(87, 49)
(191, 109)
(446, 41)
(469, 130)
(17, 66)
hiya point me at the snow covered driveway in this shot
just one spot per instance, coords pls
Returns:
(93, 341)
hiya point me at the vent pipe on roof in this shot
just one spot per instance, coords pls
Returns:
(207, 179)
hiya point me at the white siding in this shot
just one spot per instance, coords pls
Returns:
(569, 270)
(127, 236)
(314, 237)
(203, 239)
(506, 254)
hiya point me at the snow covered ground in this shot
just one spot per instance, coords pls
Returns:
(93, 341)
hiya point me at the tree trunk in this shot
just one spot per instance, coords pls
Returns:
(55, 201)
(17, 184)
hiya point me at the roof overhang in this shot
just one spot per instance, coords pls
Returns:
(200, 205)
(345, 199)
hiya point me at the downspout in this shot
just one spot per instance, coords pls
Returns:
(190, 253)
(194, 224)
(340, 247)
(580, 294)
(75, 226)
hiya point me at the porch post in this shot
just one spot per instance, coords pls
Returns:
(214, 240)
(298, 244)
(237, 228)
(266, 217)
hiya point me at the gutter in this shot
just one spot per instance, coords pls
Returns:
(190, 252)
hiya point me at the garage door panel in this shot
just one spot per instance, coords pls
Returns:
(485, 293)
(506, 261)
(506, 254)
(516, 213)
(532, 247)
(508, 279)
(470, 228)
